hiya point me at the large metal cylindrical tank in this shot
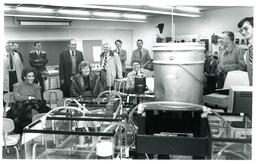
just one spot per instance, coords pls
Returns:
(179, 71)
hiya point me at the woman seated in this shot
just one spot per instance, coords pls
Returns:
(137, 71)
(27, 90)
(85, 84)
(28, 100)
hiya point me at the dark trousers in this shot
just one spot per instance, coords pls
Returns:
(66, 90)
(12, 79)
(124, 74)
(211, 84)
(40, 79)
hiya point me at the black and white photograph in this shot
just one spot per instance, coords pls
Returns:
(132, 80)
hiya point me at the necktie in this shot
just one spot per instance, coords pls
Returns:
(118, 51)
(250, 54)
(140, 54)
(11, 61)
(104, 62)
(73, 53)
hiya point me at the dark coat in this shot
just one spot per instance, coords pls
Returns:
(38, 61)
(78, 85)
(65, 69)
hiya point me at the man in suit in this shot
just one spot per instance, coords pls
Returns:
(246, 30)
(211, 72)
(111, 67)
(38, 59)
(141, 54)
(122, 54)
(12, 68)
(68, 66)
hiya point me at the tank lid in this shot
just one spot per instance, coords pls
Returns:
(178, 46)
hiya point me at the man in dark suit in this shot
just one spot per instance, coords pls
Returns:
(68, 66)
(122, 54)
(38, 59)
(211, 73)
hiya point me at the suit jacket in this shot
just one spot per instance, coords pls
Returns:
(78, 85)
(123, 58)
(18, 68)
(113, 67)
(144, 60)
(65, 66)
(38, 61)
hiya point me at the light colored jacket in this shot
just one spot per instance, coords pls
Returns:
(113, 67)
(145, 58)
(123, 58)
(18, 67)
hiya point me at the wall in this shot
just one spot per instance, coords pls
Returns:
(80, 30)
(212, 21)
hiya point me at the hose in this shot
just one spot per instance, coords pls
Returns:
(112, 94)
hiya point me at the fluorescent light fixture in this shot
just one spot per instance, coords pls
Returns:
(75, 18)
(34, 9)
(7, 8)
(189, 9)
(139, 10)
(134, 16)
(44, 23)
(74, 12)
(106, 14)
(162, 6)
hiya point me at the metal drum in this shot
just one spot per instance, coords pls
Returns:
(179, 72)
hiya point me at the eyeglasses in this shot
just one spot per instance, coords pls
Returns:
(243, 29)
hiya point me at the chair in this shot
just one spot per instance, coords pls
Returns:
(8, 99)
(234, 78)
(52, 96)
(120, 84)
(10, 140)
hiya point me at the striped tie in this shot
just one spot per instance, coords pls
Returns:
(104, 62)
(250, 56)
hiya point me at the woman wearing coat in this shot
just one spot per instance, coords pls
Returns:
(85, 83)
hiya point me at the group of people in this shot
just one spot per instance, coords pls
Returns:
(75, 73)
(231, 57)
(21, 81)
(77, 79)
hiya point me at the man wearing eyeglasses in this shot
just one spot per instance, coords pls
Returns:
(246, 30)
(231, 57)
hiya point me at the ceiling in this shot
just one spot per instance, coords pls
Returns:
(123, 13)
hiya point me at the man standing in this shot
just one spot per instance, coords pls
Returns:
(38, 59)
(12, 68)
(68, 66)
(141, 54)
(231, 57)
(122, 54)
(246, 30)
(210, 73)
(111, 67)
(16, 49)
